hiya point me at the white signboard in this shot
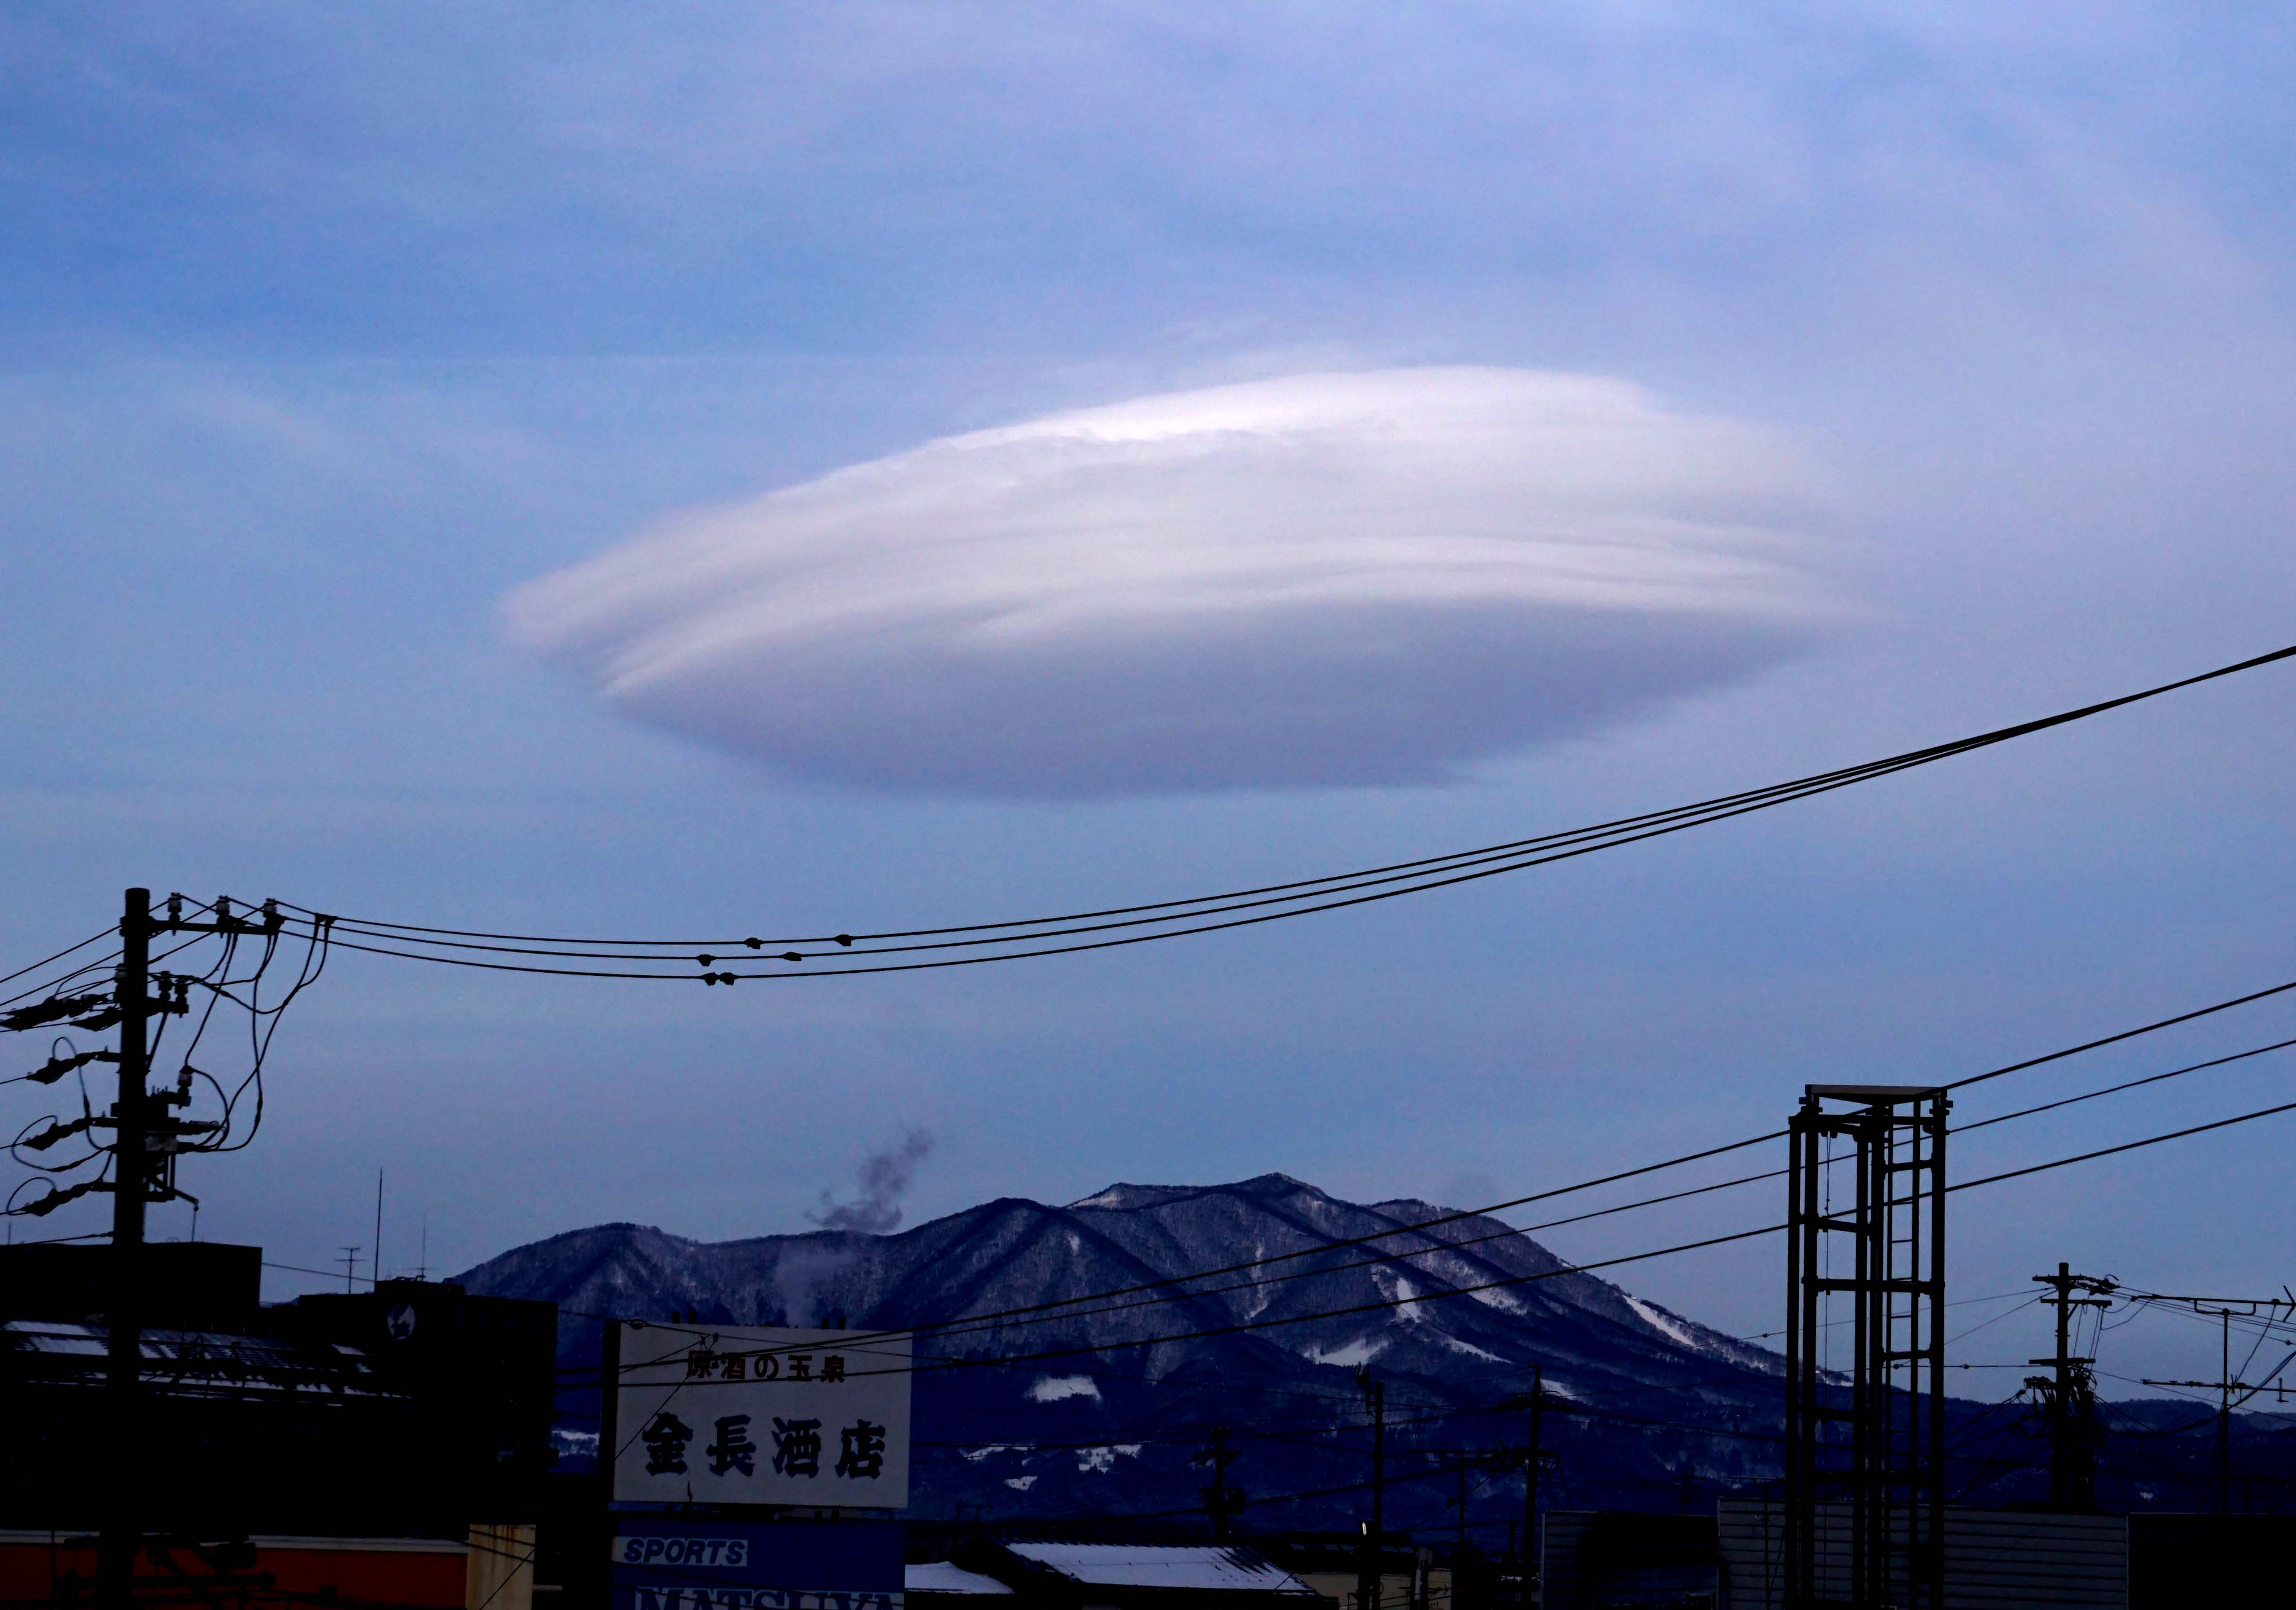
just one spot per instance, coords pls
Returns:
(725, 1414)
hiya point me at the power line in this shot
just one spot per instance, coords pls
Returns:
(986, 1323)
(2126, 1146)
(1074, 1307)
(321, 929)
(1582, 1267)
(1414, 1298)
(44, 961)
(1179, 918)
(968, 1323)
(1038, 1313)
(1997, 1296)
(2114, 1090)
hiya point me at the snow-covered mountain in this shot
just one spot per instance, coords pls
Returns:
(1452, 1319)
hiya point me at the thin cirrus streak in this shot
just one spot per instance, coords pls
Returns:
(1323, 580)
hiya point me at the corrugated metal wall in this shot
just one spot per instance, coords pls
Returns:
(1995, 1559)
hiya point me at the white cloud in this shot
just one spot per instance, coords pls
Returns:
(1326, 579)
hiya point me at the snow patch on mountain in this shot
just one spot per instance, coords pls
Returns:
(1261, 1296)
(1053, 1389)
(1403, 1293)
(1354, 1355)
(1666, 1324)
(1457, 1346)
(1715, 1344)
(1105, 1458)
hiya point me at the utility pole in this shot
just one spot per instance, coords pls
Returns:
(2223, 1415)
(2226, 1310)
(2223, 1387)
(123, 1529)
(1533, 1463)
(145, 1139)
(2070, 1394)
(1459, 1463)
(1221, 1500)
(1368, 1574)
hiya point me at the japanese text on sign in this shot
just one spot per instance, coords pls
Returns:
(751, 1416)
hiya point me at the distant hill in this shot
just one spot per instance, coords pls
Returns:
(1114, 1430)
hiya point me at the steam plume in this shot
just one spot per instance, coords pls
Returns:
(885, 1177)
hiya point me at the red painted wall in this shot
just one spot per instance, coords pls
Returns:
(418, 1574)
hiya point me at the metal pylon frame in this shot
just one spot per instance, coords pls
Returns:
(1865, 1349)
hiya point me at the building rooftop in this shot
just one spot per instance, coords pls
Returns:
(190, 1363)
(939, 1576)
(1190, 1567)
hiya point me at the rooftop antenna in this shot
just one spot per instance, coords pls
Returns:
(350, 1261)
(423, 1267)
(378, 1227)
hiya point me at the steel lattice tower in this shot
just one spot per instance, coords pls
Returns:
(1865, 1510)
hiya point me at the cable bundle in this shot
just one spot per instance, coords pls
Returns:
(726, 961)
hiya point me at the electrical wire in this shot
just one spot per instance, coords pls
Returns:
(1997, 1296)
(310, 972)
(1654, 1201)
(977, 1322)
(1996, 1320)
(223, 984)
(1507, 1232)
(1446, 1294)
(2126, 1146)
(1297, 898)
(52, 985)
(1074, 1307)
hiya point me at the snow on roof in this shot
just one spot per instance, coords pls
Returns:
(941, 1577)
(1196, 1568)
(198, 1363)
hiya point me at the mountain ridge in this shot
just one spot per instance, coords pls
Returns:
(1084, 1416)
(1146, 1236)
(1454, 1316)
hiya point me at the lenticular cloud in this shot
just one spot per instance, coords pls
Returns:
(1330, 579)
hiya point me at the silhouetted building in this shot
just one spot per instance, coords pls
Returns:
(1620, 1558)
(416, 1410)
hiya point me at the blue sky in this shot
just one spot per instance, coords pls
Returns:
(327, 334)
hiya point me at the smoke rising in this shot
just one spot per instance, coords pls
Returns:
(884, 1181)
(801, 1278)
